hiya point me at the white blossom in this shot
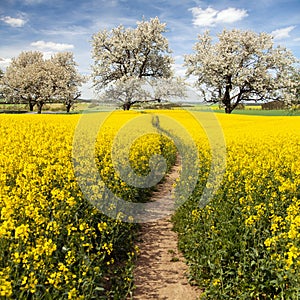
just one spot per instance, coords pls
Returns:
(240, 66)
(34, 80)
(125, 57)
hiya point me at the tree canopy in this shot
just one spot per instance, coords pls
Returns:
(33, 80)
(240, 66)
(134, 90)
(128, 60)
(1, 86)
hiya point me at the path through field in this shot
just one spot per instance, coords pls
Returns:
(160, 271)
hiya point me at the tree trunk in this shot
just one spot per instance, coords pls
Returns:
(68, 107)
(31, 106)
(228, 110)
(69, 102)
(226, 100)
(40, 106)
(126, 106)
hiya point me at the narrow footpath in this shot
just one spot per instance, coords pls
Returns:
(161, 271)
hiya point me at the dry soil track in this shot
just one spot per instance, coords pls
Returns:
(161, 271)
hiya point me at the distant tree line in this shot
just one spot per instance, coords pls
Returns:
(273, 105)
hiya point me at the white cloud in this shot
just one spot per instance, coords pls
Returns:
(282, 33)
(14, 22)
(32, 2)
(4, 62)
(209, 17)
(204, 17)
(52, 46)
(231, 15)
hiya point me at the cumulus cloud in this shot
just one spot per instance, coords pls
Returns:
(52, 46)
(282, 33)
(4, 62)
(209, 17)
(14, 22)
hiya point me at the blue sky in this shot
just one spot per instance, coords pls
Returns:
(57, 25)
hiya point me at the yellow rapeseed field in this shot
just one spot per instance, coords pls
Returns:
(244, 244)
(54, 243)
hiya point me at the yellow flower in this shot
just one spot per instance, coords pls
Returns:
(22, 231)
(216, 282)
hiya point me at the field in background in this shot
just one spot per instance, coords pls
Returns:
(58, 107)
(95, 106)
(252, 110)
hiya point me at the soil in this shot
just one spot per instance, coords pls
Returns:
(161, 272)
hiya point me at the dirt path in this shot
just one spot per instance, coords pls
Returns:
(161, 271)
